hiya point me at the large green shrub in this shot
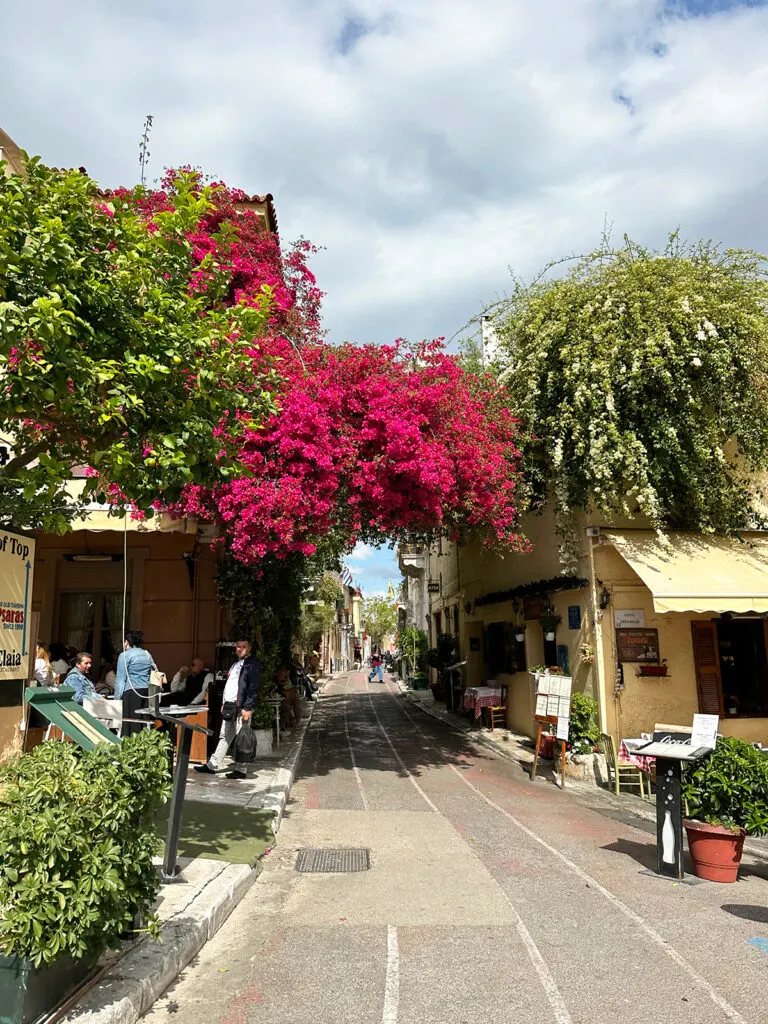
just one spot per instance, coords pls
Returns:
(583, 733)
(729, 787)
(640, 377)
(77, 839)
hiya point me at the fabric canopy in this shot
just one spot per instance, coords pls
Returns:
(692, 572)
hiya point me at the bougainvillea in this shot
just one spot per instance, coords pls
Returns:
(372, 442)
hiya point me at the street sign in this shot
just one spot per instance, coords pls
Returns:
(433, 587)
(629, 618)
(17, 562)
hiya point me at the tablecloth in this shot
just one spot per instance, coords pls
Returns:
(478, 697)
(628, 756)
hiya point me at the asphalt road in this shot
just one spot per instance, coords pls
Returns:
(489, 899)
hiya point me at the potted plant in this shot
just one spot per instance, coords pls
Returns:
(549, 623)
(520, 633)
(441, 657)
(77, 838)
(583, 733)
(726, 799)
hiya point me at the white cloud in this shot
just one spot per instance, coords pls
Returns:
(451, 139)
(362, 551)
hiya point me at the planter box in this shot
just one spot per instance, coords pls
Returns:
(28, 994)
(263, 742)
(652, 670)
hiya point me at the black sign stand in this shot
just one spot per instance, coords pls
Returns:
(669, 818)
(170, 871)
(670, 750)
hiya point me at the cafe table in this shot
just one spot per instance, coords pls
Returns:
(478, 697)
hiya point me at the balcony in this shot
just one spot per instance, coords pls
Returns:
(412, 560)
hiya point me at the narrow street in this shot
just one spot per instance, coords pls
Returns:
(488, 899)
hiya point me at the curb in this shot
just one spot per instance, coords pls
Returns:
(140, 977)
(137, 980)
(276, 797)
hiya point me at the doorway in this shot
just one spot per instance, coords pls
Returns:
(743, 667)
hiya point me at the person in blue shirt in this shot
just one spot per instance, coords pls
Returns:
(134, 667)
(78, 677)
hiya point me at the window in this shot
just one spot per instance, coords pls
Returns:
(93, 623)
(731, 667)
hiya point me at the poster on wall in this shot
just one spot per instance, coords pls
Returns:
(638, 645)
(17, 561)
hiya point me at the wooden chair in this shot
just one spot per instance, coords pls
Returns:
(497, 715)
(627, 771)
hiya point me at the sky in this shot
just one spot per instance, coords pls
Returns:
(373, 569)
(431, 147)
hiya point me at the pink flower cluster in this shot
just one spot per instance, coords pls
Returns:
(378, 441)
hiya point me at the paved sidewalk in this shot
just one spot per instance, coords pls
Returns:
(194, 909)
(626, 807)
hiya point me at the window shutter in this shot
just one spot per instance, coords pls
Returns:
(707, 663)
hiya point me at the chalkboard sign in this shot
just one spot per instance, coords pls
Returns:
(638, 645)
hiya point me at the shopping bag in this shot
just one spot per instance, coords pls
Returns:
(245, 745)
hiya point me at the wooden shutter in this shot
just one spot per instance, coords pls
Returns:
(707, 663)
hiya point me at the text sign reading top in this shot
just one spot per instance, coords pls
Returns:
(17, 560)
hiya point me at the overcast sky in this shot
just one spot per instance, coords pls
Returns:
(428, 145)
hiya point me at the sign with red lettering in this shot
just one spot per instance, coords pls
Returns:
(638, 645)
(17, 561)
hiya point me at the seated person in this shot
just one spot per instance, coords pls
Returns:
(189, 686)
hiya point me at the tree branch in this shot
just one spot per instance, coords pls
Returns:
(24, 459)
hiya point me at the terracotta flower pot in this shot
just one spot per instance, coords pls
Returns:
(715, 851)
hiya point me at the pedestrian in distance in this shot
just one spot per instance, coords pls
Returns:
(78, 678)
(237, 703)
(377, 670)
(286, 686)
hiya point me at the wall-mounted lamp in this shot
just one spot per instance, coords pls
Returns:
(605, 598)
(468, 608)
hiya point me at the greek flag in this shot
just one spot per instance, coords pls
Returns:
(346, 576)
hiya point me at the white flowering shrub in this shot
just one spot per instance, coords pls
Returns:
(641, 379)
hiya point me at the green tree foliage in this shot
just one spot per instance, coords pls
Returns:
(641, 379)
(118, 349)
(77, 839)
(413, 645)
(380, 616)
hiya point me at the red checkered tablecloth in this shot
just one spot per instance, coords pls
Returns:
(478, 697)
(644, 763)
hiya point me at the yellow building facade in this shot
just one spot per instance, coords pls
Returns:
(691, 609)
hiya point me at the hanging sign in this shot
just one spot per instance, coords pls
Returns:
(17, 560)
(638, 645)
(433, 587)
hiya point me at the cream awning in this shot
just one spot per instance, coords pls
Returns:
(98, 519)
(693, 572)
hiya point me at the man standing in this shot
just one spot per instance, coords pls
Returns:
(78, 678)
(237, 704)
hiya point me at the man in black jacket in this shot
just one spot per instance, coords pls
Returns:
(238, 701)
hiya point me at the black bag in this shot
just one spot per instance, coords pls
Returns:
(228, 711)
(245, 745)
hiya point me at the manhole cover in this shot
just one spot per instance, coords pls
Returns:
(338, 860)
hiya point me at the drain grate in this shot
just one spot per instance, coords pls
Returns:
(338, 860)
